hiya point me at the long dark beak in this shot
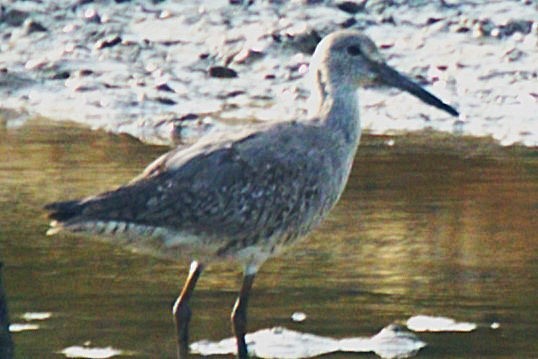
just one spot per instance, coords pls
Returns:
(391, 77)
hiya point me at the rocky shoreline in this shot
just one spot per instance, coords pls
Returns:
(167, 72)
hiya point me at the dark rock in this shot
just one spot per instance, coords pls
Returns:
(85, 72)
(14, 17)
(388, 20)
(203, 56)
(62, 75)
(34, 26)
(230, 94)
(222, 72)
(188, 117)
(262, 97)
(348, 23)
(164, 87)
(350, 7)
(522, 26)
(235, 93)
(108, 42)
(171, 42)
(433, 20)
(165, 101)
(386, 46)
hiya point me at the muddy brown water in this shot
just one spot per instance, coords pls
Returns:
(421, 229)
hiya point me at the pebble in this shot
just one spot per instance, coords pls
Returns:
(350, 7)
(110, 41)
(91, 15)
(31, 26)
(348, 23)
(298, 317)
(222, 72)
(62, 75)
(248, 56)
(166, 101)
(433, 20)
(164, 87)
(188, 117)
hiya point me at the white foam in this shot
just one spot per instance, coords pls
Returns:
(426, 323)
(22, 327)
(278, 342)
(36, 315)
(94, 353)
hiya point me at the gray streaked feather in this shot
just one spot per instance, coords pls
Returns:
(231, 194)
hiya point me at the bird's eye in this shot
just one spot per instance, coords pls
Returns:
(354, 50)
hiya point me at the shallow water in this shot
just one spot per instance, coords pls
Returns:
(447, 230)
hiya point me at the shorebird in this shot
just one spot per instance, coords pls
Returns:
(246, 195)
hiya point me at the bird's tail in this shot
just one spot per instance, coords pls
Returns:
(61, 213)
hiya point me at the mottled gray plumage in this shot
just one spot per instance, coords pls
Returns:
(223, 194)
(246, 195)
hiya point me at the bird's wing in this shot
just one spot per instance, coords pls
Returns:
(182, 154)
(231, 188)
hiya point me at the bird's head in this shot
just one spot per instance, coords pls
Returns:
(350, 59)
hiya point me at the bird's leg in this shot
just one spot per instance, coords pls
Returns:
(239, 315)
(182, 312)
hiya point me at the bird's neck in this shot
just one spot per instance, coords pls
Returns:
(336, 104)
